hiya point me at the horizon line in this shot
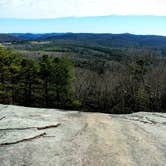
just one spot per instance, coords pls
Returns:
(95, 33)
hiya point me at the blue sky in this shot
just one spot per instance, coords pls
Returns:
(106, 24)
(118, 16)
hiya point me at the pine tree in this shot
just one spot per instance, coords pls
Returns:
(28, 79)
(46, 73)
(63, 78)
(9, 72)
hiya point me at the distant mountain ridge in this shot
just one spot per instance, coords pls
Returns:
(8, 38)
(109, 40)
(31, 36)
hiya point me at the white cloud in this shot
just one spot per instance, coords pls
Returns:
(67, 8)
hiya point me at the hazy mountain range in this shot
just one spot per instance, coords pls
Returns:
(113, 40)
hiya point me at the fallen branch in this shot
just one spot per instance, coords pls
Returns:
(151, 121)
(38, 128)
(47, 127)
(24, 128)
(49, 136)
(139, 120)
(159, 115)
(23, 140)
(2, 117)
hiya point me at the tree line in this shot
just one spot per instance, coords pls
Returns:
(45, 82)
(137, 83)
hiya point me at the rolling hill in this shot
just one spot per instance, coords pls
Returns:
(111, 40)
(8, 38)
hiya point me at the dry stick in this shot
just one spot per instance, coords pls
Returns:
(2, 117)
(151, 121)
(25, 128)
(46, 127)
(49, 136)
(23, 140)
(38, 128)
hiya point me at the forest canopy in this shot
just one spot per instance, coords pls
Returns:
(85, 77)
(45, 82)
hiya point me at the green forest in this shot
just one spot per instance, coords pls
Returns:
(78, 75)
(46, 82)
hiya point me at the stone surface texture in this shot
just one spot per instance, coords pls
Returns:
(81, 139)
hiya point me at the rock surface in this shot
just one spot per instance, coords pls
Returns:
(80, 139)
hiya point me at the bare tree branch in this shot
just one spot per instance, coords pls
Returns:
(2, 117)
(50, 126)
(38, 128)
(23, 140)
